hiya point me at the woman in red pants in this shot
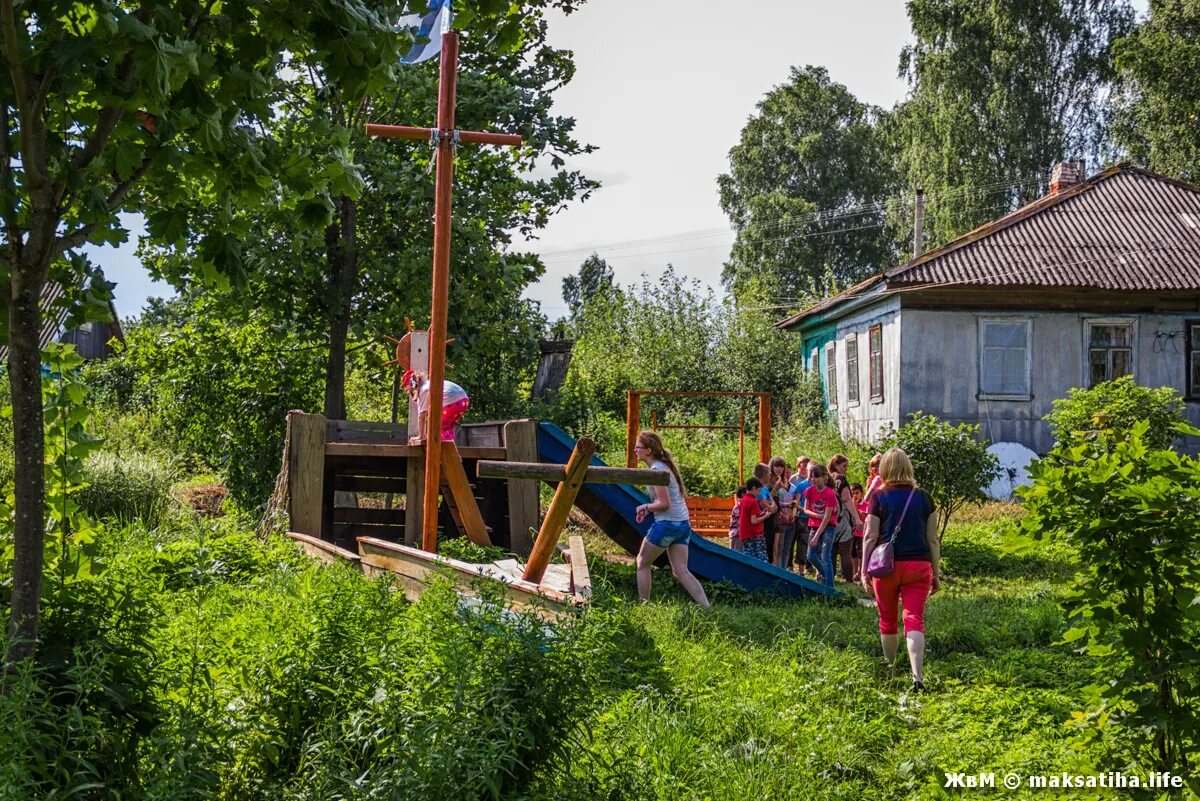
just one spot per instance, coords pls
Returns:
(903, 514)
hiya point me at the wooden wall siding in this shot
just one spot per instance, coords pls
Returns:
(866, 418)
(940, 373)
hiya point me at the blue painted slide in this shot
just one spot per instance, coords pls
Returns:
(613, 508)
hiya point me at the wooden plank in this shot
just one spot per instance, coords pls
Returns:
(356, 515)
(417, 569)
(326, 552)
(581, 577)
(463, 498)
(350, 430)
(348, 532)
(520, 441)
(418, 361)
(480, 435)
(383, 449)
(560, 507)
(538, 471)
(306, 473)
(717, 504)
(393, 484)
(413, 509)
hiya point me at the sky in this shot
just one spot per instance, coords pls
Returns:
(663, 91)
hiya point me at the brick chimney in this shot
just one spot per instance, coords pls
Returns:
(1066, 174)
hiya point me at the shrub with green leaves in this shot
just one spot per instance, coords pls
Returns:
(1117, 405)
(952, 463)
(1133, 512)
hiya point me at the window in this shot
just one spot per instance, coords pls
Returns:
(875, 367)
(852, 368)
(1004, 364)
(1109, 350)
(1193, 358)
(831, 374)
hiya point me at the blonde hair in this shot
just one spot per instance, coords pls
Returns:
(654, 443)
(896, 469)
(875, 460)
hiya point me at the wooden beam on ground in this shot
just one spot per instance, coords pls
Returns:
(461, 496)
(520, 444)
(581, 578)
(326, 552)
(560, 507)
(306, 473)
(555, 473)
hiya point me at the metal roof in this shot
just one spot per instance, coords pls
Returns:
(1123, 229)
(53, 317)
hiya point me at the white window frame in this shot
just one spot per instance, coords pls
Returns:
(853, 375)
(1025, 396)
(830, 377)
(1088, 322)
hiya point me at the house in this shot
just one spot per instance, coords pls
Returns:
(91, 340)
(1097, 279)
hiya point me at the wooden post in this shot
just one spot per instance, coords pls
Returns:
(414, 475)
(633, 420)
(741, 446)
(560, 507)
(520, 445)
(306, 473)
(443, 202)
(764, 428)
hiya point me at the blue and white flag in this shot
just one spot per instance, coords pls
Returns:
(430, 28)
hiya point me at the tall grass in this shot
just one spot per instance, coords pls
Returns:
(127, 487)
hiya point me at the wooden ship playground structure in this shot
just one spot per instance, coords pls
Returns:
(484, 485)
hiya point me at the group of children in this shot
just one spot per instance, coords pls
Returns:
(804, 520)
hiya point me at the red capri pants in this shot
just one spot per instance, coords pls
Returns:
(909, 584)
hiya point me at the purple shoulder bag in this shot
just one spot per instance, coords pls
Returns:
(883, 558)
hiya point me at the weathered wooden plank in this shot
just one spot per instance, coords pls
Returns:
(581, 577)
(355, 515)
(520, 441)
(368, 483)
(462, 497)
(351, 430)
(414, 511)
(324, 551)
(480, 435)
(306, 473)
(418, 361)
(421, 568)
(348, 532)
(384, 449)
(538, 471)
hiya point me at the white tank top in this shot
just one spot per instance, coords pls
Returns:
(678, 510)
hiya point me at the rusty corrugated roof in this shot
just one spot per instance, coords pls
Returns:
(1123, 229)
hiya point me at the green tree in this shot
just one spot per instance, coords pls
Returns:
(999, 92)
(1132, 511)
(1117, 405)
(105, 104)
(594, 276)
(350, 255)
(952, 463)
(1158, 105)
(812, 147)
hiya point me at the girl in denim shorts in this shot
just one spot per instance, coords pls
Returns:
(672, 527)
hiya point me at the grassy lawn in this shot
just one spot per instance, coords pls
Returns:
(786, 699)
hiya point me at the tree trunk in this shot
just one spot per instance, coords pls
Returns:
(342, 253)
(24, 375)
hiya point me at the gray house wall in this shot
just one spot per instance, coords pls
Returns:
(941, 363)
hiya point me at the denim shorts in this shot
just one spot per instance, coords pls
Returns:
(664, 533)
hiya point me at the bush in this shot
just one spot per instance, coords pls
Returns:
(1117, 405)
(952, 463)
(127, 487)
(1133, 513)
